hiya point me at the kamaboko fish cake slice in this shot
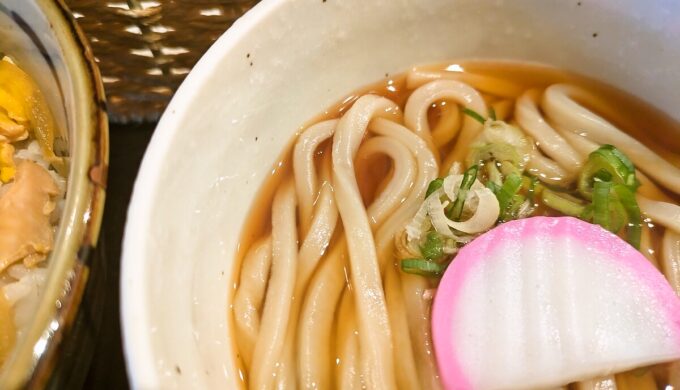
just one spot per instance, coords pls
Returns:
(544, 301)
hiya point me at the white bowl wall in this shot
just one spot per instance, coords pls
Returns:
(284, 63)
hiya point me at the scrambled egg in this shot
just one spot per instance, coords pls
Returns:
(27, 201)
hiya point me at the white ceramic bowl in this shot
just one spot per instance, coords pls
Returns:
(277, 67)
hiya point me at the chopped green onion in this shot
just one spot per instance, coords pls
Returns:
(601, 198)
(629, 203)
(434, 186)
(493, 187)
(561, 203)
(506, 194)
(469, 178)
(492, 113)
(606, 164)
(499, 152)
(513, 207)
(422, 267)
(474, 115)
(622, 157)
(493, 173)
(603, 175)
(533, 187)
(507, 168)
(587, 214)
(617, 214)
(433, 247)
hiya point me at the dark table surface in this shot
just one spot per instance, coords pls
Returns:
(128, 143)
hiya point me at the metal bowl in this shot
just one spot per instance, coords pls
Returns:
(43, 37)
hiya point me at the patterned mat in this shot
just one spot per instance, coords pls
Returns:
(145, 48)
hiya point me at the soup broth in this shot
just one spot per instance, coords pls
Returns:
(314, 332)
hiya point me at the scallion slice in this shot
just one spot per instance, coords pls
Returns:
(422, 267)
(494, 152)
(492, 113)
(601, 198)
(606, 164)
(533, 187)
(618, 217)
(634, 227)
(469, 178)
(562, 203)
(434, 186)
(474, 115)
(433, 247)
(506, 194)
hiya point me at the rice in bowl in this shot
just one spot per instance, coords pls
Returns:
(32, 195)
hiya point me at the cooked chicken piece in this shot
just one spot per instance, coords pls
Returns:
(25, 229)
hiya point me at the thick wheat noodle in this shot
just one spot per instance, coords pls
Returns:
(418, 310)
(401, 189)
(306, 183)
(404, 173)
(427, 171)
(318, 236)
(311, 371)
(349, 370)
(662, 213)
(275, 313)
(487, 84)
(670, 259)
(420, 101)
(250, 295)
(316, 242)
(581, 145)
(646, 245)
(547, 170)
(651, 190)
(373, 323)
(401, 182)
(548, 140)
(448, 125)
(560, 106)
(405, 365)
(317, 319)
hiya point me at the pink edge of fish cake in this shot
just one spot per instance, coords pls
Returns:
(443, 323)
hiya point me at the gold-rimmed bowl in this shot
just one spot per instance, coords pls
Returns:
(43, 37)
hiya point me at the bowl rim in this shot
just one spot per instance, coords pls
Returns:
(140, 364)
(140, 354)
(33, 359)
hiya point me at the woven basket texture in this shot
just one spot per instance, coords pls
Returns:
(145, 48)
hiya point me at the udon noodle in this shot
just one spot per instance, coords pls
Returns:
(321, 301)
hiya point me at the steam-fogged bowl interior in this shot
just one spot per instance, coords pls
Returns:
(275, 69)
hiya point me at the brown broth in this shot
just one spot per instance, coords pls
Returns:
(649, 125)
